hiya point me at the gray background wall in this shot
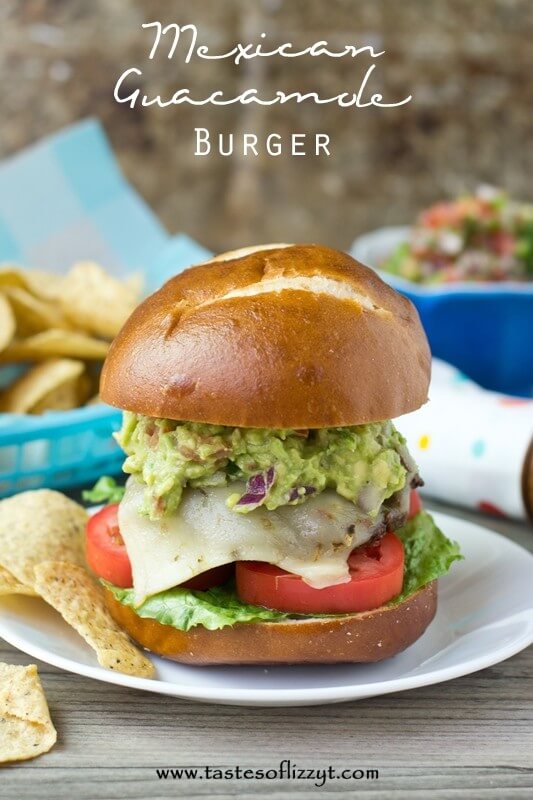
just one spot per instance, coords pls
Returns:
(468, 64)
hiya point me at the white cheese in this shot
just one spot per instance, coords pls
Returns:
(312, 539)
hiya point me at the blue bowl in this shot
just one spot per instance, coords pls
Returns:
(485, 330)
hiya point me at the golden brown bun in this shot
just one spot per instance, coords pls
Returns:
(369, 636)
(337, 346)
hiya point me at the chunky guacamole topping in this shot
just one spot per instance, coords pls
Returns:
(363, 463)
(428, 556)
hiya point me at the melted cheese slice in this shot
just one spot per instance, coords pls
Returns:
(312, 540)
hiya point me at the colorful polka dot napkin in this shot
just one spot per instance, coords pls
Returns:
(471, 444)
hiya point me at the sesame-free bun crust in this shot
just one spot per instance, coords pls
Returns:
(356, 638)
(278, 336)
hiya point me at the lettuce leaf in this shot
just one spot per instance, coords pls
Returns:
(105, 490)
(428, 555)
(183, 608)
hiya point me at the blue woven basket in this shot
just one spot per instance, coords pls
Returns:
(58, 449)
(91, 212)
(74, 448)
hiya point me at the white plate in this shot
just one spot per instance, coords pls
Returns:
(485, 616)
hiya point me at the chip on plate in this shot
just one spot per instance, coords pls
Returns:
(95, 301)
(53, 343)
(10, 585)
(55, 385)
(26, 729)
(80, 601)
(7, 323)
(40, 525)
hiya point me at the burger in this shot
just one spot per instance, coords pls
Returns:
(270, 515)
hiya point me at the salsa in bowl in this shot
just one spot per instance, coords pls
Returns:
(481, 237)
(481, 326)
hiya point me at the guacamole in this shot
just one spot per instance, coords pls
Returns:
(279, 467)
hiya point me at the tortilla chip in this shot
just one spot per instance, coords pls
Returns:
(32, 314)
(11, 275)
(26, 729)
(80, 601)
(37, 281)
(95, 301)
(40, 525)
(7, 323)
(55, 385)
(10, 585)
(45, 285)
(55, 342)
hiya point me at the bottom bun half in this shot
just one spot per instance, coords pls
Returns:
(356, 638)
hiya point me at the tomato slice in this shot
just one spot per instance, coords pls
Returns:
(415, 504)
(104, 548)
(106, 555)
(376, 576)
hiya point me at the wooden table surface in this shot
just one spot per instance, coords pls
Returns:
(469, 738)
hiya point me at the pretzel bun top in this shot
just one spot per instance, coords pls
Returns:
(276, 336)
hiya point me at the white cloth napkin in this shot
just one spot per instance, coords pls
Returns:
(470, 444)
